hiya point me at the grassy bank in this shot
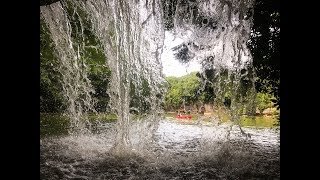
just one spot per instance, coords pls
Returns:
(258, 121)
(52, 124)
(267, 121)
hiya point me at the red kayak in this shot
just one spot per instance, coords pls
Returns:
(184, 117)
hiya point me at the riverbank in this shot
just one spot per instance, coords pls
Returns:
(54, 124)
(264, 120)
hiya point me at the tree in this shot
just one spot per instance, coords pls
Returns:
(185, 88)
(91, 53)
(265, 46)
(264, 101)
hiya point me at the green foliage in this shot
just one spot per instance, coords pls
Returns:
(91, 53)
(51, 99)
(264, 101)
(100, 82)
(258, 121)
(53, 124)
(216, 86)
(140, 97)
(185, 87)
(56, 124)
(265, 46)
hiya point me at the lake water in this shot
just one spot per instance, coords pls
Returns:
(177, 151)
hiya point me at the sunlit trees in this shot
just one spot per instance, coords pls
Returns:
(264, 45)
(181, 89)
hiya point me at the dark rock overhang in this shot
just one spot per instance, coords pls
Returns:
(47, 2)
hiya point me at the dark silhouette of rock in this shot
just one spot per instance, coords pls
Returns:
(47, 2)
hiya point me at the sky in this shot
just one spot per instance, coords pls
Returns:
(171, 66)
